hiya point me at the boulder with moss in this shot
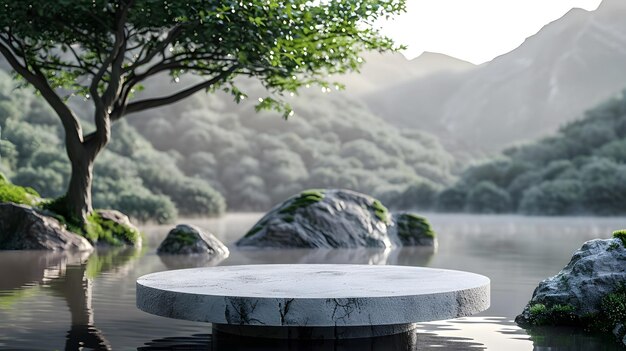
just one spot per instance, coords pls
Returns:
(413, 230)
(335, 218)
(25, 228)
(189, 240)
(590, 292)
(111, 227)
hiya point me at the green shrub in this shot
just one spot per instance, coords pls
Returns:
(486, 197)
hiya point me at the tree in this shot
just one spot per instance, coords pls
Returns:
(105, 50)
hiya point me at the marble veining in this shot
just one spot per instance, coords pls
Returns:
(304, 295)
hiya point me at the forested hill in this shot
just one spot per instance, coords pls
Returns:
(181, 158)
(580, 170)
(258, 159)
(130, 176)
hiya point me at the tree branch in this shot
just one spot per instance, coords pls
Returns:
(142, 105)
(73, 130)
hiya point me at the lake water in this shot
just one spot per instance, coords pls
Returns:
(54, 301)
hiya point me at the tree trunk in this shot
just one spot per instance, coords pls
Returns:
(78, 196)
(76, 205)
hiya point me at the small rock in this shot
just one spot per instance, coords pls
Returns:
(24, 228)
(187, 240)
(413, 230)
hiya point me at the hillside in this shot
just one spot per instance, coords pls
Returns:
(579, 170)
(130, 175)
(569, 66)
(257, 160)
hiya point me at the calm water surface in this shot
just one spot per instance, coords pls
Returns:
(54, 301)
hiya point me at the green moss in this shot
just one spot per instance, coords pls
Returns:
(381, 212)
(541, 314)
(96, 229)
(620, 234)
(613, 306)
(99, 229)
(304, 199)
(17, 194)
(412, 225)
(184, 237)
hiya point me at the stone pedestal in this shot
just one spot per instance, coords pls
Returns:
(316, 301)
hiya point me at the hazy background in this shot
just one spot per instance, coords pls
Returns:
(435, 132)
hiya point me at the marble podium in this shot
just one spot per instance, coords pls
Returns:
(314, 301)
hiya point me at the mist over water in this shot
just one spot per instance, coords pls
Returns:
(58, 301)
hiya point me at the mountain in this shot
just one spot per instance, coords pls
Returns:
(570, 65)
(381, 71)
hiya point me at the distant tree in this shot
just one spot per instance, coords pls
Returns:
(487, 197)
(104, 50)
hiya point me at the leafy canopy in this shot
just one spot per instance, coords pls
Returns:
(104, 49)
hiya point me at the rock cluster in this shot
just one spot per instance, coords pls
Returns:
(334, 218)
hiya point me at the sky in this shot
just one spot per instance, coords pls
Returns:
(474, 30)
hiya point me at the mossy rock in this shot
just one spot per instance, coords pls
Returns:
(110, 227)
(17, 194)
(334, 218)
(187, 240)
(589, 293)
(413, 230)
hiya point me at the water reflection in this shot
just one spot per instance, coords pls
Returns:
(68, 276)
(412, 341)
(413, 256)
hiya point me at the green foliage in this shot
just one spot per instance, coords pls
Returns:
(17, 194)
(541, 314)
(620, 234)
(556, 197)
(333, 142)
(285, 44)
(123, 178)
(581, 169)
(486, 197)
(452, 199)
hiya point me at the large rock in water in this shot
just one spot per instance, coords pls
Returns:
(188, 240)
(336, 219)
(578, 293)
(24, 228)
